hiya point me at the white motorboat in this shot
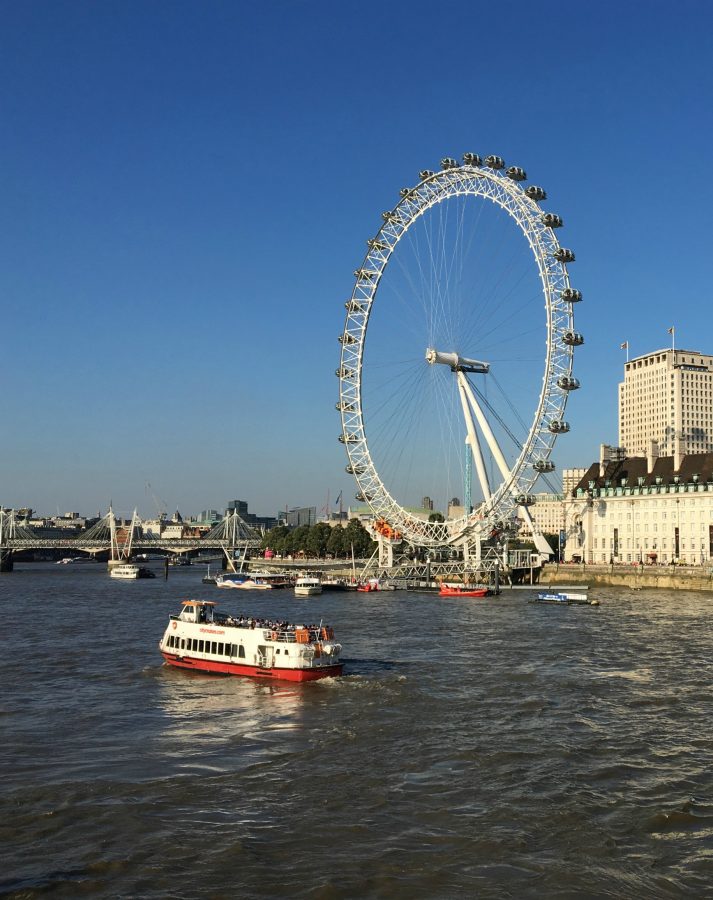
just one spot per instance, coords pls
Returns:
(307, 586)
(130, 572)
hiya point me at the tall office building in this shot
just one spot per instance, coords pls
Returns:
(667, 397)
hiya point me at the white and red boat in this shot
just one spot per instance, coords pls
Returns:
(205, 640)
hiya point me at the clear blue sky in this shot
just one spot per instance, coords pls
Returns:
(187, 188)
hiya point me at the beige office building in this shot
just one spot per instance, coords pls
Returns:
(665, 396)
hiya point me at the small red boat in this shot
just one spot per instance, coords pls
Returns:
(371, 585)
(450, 589)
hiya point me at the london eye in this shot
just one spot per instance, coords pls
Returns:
(457, 354)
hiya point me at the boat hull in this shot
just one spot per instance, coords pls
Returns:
(215, 667)
(478, 592)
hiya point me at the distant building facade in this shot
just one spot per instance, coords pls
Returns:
(644, 510)
(667, 397)
(301, 515)
(264, 523)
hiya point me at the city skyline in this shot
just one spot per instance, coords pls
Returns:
(188, 191)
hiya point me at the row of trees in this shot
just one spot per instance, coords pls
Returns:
(320, 540)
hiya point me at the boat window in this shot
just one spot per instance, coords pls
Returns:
(241, 652)
(221, 650)
(214, 647)
(183, 644)
(200, 646)
(286, 651)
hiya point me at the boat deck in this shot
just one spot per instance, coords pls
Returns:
(282, 632)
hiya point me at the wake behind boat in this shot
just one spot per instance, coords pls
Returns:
(208, 641)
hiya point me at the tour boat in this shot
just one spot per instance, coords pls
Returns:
(129, 571)
(205, 640)
(455, 589)
(307, 586)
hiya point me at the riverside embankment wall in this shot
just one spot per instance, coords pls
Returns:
(694, 578)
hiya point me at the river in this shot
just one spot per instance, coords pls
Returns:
(488, 748)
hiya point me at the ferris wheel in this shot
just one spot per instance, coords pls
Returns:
(457, 354)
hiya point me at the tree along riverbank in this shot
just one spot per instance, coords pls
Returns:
(688, 578)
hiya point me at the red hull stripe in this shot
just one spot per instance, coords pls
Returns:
(220, 668)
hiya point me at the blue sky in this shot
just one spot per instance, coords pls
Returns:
(187, 189)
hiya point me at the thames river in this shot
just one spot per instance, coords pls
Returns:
(482, 748)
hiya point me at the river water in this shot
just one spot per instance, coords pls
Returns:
(488, 748)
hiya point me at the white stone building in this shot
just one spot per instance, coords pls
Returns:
(642, 510)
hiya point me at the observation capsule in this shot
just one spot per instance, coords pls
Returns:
(495, 162)
(543, 466)
(551, 220)
(344, 372)
(375, 244)
(365, 274)
(362, 496)
(346, 338)
(448, 163)
(558, 426)
(472, 159)
(570, 295)
(344, 406)
(354, 470)
(355, 306)
(536, 193)
(572, 338)
(348, 438)
(424, 174)
(525, 500)
(516, 173)
(391, 216)
(563, 255)
(567, 383)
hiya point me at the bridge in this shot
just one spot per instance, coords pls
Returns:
(232, 537)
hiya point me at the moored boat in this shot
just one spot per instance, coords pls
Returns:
(205, 640)
(375, 584)
(456, 589)
(307, 586)
(338, 584)
(130, 572)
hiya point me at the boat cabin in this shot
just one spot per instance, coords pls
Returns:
(197, 611)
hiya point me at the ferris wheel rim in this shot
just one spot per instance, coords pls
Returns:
(433, 189)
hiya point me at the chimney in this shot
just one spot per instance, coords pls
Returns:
(652, 454)
(677, 453)
(605, 455)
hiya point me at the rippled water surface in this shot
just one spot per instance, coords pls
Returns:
(489, 748)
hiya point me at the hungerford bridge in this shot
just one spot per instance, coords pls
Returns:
(231, 537)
